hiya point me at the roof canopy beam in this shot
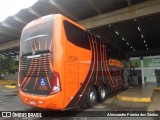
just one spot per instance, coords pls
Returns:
(134, 11)
(9, 26)
(55, 4)
(145, 52)
(128, 2)
(11, 44)
(19, 20)
(9, 33)
(32, 11)
(94, 6)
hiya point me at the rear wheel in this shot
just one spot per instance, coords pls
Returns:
(102, 93)
(92, 97)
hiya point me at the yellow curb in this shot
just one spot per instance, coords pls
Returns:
(133, 99)
(8, 82)
(157, 89)
(10, 86)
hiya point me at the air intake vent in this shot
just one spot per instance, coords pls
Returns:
(36, 65)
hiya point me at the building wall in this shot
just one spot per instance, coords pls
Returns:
(148, 66)
(150, 75)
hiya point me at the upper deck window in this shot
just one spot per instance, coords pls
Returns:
(76, 35)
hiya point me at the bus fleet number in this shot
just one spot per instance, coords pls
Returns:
(72, 58)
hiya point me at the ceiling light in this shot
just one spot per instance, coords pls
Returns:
(123, 39)
(146, 45)
(147, 48)
(98, 36)
(131, 47)
(142, 36)
(116, 32)
(144, 41)
(109, 25)
(127, 43)
(134, 50)
(139, 29)
(135, 20)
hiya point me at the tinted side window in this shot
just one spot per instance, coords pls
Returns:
(76, 35)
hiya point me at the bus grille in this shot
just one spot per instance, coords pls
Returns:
(36, 67)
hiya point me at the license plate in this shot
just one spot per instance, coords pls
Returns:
(32, 102)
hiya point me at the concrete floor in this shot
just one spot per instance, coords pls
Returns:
(10, 101)
(138, 93)
(155, 104)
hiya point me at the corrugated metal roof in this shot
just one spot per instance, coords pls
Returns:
(10, 28)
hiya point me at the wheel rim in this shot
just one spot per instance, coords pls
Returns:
(92, 97)
(103, 93)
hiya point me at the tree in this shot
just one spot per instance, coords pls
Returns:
(8, 65)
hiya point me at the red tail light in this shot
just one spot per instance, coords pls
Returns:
(20, 88)
(56, 83)
(19, 85)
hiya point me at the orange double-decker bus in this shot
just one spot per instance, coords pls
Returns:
(64, 66)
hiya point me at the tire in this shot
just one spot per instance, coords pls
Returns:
(92, 97)
(102, 93)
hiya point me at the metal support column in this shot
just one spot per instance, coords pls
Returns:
(142, 69)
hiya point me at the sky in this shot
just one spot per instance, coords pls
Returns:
(11, 7)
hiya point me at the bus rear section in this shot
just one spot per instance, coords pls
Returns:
(40, 80)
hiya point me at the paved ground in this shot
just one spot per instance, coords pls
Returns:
(138, 93)
(155, 104)
(9, 101)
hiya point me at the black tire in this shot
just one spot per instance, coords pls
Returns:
(92, 97)
(102, 93)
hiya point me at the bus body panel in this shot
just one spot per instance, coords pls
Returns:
(59, 56)
(80, 60)
(48, 102)
(75, 58)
